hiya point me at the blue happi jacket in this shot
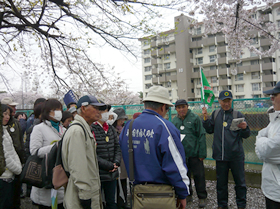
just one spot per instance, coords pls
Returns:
(159, 155)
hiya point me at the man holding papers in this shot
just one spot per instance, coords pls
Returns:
(228, 149)
(194, 142)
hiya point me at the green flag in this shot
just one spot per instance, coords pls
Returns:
(207, 95)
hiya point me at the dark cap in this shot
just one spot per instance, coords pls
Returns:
(225, 95)
(89, 100)
(121, 113)
(275, 90)
(181, 102)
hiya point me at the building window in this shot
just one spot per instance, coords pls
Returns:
(196, 70)
(197, 39)
(198, 91)
(167, 57)
(168, 74)
(215, 89)
(147, 52)
(214, 79)
(198, 31)
(240, 97)
(254, 40)
(257, 96)
(168, 84)
(254, 16)
(147, 86)
(212, 58)
(214, 67)
(212, 48)
(199, 60)
(166, 66)
(239, 77)
(278, 23)
(147, 69)
(223, 77)
(256, 86)
(240, 88)
(199, 51)
(270, 84)
(147, 60)
(146, 43)
(253, 54)
(148, 77)
(254, 62)
(170, 93)
(255, 75)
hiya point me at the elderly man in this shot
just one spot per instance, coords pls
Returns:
(80, 159)
(228, 149)
(267, 149)
(159, 156)
(194, 142)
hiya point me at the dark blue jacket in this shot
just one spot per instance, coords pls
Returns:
(227, 144)
(159, 157)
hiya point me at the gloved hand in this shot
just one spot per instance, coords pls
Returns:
(86, 204)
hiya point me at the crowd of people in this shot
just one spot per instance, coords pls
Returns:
(96, 152)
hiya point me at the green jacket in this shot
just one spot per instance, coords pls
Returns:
(17, 137)
(194, 141)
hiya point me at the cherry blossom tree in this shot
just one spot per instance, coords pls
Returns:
(236, 19)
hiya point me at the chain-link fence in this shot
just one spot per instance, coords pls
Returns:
(254, 111)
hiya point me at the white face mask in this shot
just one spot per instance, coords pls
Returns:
(57, 115)
(110, 122)
(105, 116)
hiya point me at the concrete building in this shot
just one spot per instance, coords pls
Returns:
(172, 59)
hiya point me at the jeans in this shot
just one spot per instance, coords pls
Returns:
(196, 168)
(109, 188)
(238, 173)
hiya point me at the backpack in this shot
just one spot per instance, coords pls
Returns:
(53, 163)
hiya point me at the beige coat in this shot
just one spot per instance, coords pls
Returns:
(79, 158)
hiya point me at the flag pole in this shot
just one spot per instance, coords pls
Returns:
(202, 86)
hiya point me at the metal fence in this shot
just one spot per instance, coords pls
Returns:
(253, 109)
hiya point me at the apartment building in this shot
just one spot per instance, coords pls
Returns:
(172, 59)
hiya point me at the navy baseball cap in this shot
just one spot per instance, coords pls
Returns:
(90, 100)
(275, 90)
(181, 102)
(225, 95)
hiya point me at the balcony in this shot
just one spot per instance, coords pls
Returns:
(171, 48)
(222, 49)
(171, 77)
(268, 18)
(267, 88)
(195, 75)
(155, 61)
(267, 66)
(255, 68)
(241, 69)
(265, 42)
(155, 80)
(153, 43)
(220, 38)
(154, 71)
(223, 71)
(154, 52)
(269, 78)
(212, 73)
(196, 44)
(209, 41)
(222, 60)
(224, 82)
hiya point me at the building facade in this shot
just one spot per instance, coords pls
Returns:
(173, 58)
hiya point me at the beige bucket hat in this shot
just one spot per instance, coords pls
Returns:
(158, 94)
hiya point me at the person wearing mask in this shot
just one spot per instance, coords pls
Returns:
(267, 149)
(122, 187)
(42, 139)
(15, 131)
(80, 159)
(108, 155)
(12, 162)
(67, 118)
